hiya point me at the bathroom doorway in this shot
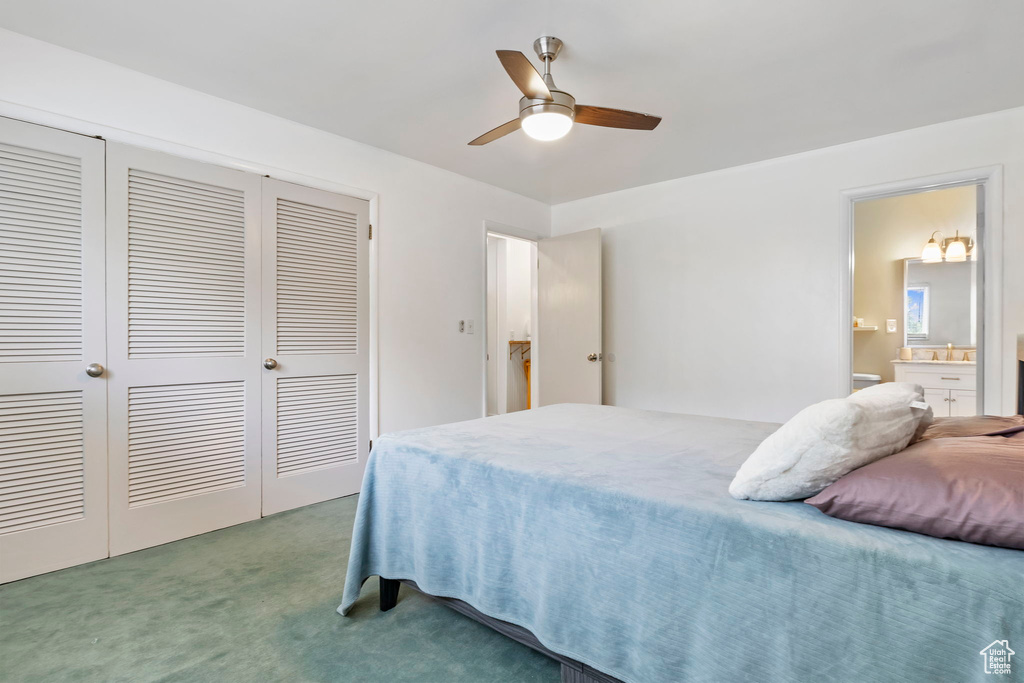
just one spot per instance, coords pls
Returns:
(510, 322)
(915, 294)
(915, 302)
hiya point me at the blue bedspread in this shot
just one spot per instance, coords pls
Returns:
(609, 533)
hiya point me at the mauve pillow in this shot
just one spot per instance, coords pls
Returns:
(978, 425)
(969, 488)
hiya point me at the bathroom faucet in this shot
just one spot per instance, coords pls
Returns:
(949, 351)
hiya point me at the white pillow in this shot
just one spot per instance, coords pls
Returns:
(826, 440)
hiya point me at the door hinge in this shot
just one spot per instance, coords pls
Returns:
(371, 231)
(371, 446)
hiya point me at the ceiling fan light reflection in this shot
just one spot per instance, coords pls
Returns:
(547, 125)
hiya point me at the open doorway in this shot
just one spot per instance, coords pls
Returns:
(511, 324)
(917, 297)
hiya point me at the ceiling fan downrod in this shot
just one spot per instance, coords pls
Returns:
(547, 48)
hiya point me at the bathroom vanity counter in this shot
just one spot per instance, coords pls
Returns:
(949, 385)
(968, 363)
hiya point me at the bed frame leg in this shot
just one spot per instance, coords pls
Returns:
(585, 674)
(388, 593)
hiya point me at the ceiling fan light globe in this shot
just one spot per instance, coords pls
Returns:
(547, 125)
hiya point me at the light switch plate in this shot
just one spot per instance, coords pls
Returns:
(890, 324)
(469, 327)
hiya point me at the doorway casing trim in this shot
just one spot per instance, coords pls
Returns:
(990, 274)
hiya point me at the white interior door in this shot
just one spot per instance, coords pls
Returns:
(568, 357)
(183, 261)
(316, 345)
(53, 441)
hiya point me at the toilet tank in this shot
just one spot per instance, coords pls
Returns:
(862, 380)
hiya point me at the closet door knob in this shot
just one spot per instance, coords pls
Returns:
(94, 369)
(592, 358)
(270, 364)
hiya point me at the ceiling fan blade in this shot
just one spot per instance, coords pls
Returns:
(615, 118)
(526, 77)
(501, 131)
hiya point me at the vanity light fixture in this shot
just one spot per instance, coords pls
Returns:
(932, 252)
(953, 249)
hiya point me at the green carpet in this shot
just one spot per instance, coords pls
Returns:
(251, 603)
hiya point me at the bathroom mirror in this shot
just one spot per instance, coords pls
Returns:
(940, 303)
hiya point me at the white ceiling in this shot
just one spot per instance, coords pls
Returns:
(735, 80)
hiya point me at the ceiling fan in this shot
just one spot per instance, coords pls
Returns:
(547, 113)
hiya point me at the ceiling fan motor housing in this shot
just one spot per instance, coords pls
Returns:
(560, 103)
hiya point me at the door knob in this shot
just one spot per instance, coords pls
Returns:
(94, 369)
(270, 364)
(593, 357)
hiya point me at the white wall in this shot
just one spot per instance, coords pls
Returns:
(428, 236)
(519, 296)
(721, 289)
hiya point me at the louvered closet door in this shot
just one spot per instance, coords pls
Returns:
(184, 320)
(315, 313)
(53, 450)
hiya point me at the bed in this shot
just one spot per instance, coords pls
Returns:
(607, 535)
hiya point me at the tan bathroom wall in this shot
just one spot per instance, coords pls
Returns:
(886, 231)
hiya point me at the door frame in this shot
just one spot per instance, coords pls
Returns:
(506, 231)
(111, 134)
(990, 274)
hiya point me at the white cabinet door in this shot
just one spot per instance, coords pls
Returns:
(963, 403)
(53, 450)
(316, 342)
(183, 259)
(938, 399)
(568, 358)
